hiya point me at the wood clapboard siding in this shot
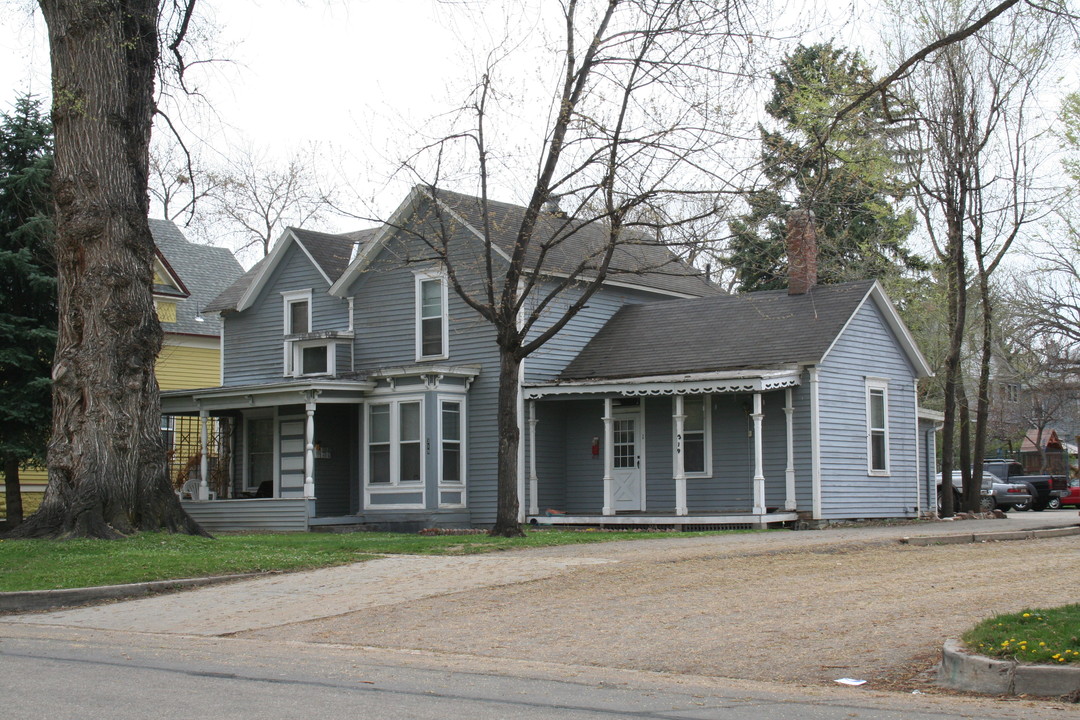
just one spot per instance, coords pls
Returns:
(659, 463)
(550, 455)
(385, 321)
(866, 348)
(181, 367)
(278, 514)
(254, 346)
(548, 361)
(584, 472)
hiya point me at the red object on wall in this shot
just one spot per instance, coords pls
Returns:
(596, 447)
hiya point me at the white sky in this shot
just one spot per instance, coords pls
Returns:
(356, 78)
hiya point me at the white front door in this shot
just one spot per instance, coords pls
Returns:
(628, 450)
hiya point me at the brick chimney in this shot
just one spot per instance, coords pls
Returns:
(801, 250)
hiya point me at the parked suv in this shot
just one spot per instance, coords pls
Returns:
(993, 495)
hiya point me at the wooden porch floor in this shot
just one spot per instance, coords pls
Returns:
(700, 521)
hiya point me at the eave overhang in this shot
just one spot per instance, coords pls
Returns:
(723, 381)
(241, 397)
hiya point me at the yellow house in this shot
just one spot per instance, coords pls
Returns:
(186, 277)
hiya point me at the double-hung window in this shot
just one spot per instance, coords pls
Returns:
(696, 444)
(877, 426)
(450, 438)
(395, 440)
(431, 317)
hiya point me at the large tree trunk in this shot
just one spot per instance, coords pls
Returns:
(106, 461)
(506, 519)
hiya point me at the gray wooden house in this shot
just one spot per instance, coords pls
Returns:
(362, 391)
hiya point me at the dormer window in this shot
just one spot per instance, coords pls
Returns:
(431, 317)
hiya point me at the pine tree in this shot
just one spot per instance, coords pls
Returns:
(27, 292)
(846, 175)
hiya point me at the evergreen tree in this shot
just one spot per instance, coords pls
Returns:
(27, 292)
(846, 175)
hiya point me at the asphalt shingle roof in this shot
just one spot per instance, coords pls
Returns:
(639, 261)
(203, 269)
(728, 332)
(330, 252)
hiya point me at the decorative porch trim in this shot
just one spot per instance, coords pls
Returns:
(693, 384)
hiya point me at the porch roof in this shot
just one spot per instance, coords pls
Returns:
(724, 381)
(182, 402)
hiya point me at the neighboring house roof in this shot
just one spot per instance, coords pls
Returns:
(637, 262)
(731, 332)
(1050, 440)
(203, 271)
(329, 253)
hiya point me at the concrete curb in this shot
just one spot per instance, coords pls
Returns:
(961, 670)
(32, 600)
(991, 536)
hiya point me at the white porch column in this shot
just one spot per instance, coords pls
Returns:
(204, 461)
(815, 442)
(918, 454)
(759, 474)
(789, 471)
(680, 459)
(534, 481)
(309, 451)
(609, 457)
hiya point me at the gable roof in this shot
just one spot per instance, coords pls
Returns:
(638, 262)
(201, 271)
(329, 253)
(730, 332)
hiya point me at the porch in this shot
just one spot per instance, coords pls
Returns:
(688, 523)
(731, 450)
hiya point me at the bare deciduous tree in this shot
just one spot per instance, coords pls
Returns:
(256, 198)
(975, 174)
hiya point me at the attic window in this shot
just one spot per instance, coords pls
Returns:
(297, 312)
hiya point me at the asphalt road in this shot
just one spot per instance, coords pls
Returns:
(161, 657)
(65, 673)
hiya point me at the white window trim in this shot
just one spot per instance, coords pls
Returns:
(297, 363)
(420, 278)
(459, 485)
(287, 299)
(707, 409)
(881, 384)
(395, 485)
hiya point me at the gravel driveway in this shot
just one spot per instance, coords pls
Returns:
(805, 607)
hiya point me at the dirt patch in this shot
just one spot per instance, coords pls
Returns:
(791, 613)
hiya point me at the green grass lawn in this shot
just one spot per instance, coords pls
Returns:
(51, 564)
(1049, 635)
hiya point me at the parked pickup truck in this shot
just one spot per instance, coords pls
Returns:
(1047, 490)
(993, 493)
